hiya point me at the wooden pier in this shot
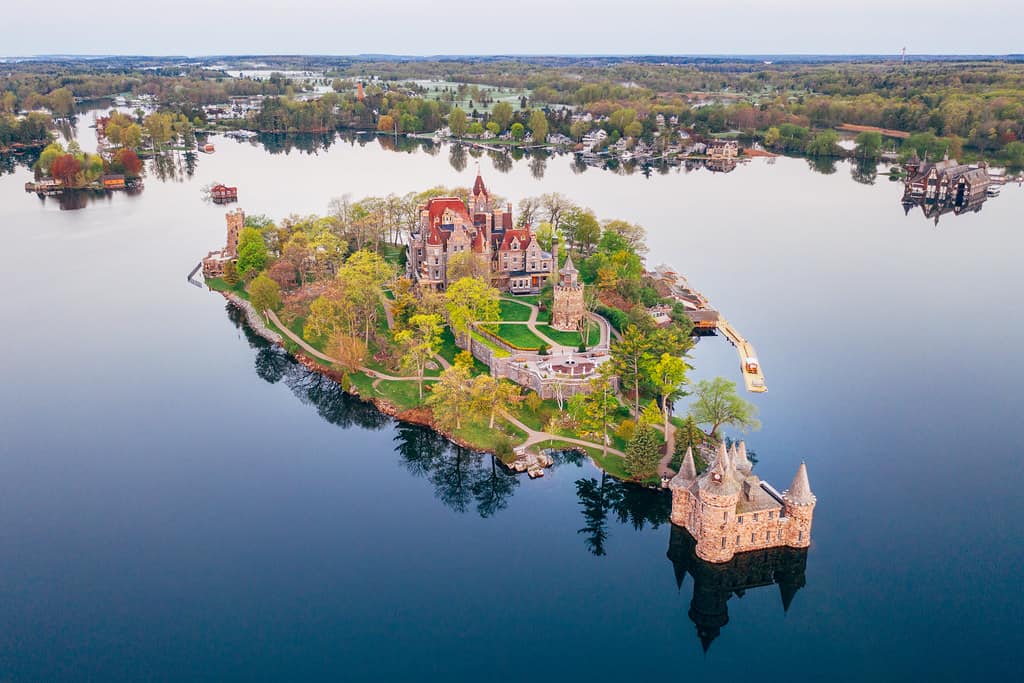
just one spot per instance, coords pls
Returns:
(750, 366)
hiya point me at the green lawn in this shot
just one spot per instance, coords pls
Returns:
(611, 463)
(481, 436)
(218, 285)
(394, 253)
(513, 312)
(519, 336)
(539, 419)
(572, 338)
(405, 395)
(528, 298)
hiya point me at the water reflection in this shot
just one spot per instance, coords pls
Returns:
(630, 504)
(714, 584)
(461, 478)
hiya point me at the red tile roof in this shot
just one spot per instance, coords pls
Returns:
(524, 239)
(438, 205)
(479, 187)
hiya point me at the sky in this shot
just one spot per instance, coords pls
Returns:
(453, 27)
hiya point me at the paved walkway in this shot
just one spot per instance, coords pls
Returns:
(555, 346)
(534, 437)
(323, 356)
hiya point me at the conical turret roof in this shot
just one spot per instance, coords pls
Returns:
(721, 478)
(800, 490)
(740, 460)
(569, 267)
(689, 468)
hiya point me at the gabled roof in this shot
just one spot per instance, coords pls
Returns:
(523, 235)
(438, 205)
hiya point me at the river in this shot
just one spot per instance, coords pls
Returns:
(179, 501)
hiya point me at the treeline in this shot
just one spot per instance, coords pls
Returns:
(17, 131)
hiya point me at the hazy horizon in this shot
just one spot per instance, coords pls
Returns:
(462, 28)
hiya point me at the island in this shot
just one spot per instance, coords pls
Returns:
(450, 311)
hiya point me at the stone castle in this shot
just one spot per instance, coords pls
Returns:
(729, 510)
(568, 310)
(448, 226)
(213, 264)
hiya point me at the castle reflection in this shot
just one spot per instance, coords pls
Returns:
(714, 584)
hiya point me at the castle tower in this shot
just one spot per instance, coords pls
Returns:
(680, 486)
(360, 95)
(481, 197)
(236, 221)
(717, 496)
(568, 309)
(798, 506)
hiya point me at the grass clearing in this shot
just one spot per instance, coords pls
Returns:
(572, 338)
(519, 336)
(513, 312)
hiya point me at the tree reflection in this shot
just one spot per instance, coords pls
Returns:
(538, 164)
(460, 477)
(457, 158)
(822, 165)
(864, 171)
(631, 504)
(502, 162)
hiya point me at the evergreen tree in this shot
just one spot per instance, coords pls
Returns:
(643, 453)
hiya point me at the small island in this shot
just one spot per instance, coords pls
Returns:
(445, 309)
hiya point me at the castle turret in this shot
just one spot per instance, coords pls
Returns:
(717, 494)
(679, 485)
(798, 506)
(568, 309)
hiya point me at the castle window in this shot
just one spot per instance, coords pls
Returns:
(737, 540)
(751, 538)
(755, 516)
(739, 520)
(723, 542)
(725, 516)
(800, 536)
(771, 515)
(767, 535)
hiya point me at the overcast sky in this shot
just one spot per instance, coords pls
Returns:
(426, 27)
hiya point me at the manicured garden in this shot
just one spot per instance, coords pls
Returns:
(572, 338)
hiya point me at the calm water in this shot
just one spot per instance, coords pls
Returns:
(180, 502)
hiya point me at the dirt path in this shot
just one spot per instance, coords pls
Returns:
(534, 437)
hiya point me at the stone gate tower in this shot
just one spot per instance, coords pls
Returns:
(568, 309)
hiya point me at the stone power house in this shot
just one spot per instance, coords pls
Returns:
(729, 510)
(448, 226)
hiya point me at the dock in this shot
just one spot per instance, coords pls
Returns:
(750, 366)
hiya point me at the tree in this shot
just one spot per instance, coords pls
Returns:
(518, 131)
(265, 294)
(129, 162)
(581, 228)
(491, 395)
(501, 114)
(717, 404)
(632, 361)
(451, 398)
(771, 137)
(65, 169)
(669, 376)
(385, 124)
(593, 410)
(869, 144)
(457, 122)
(464, 264)
(231, 273)
(538, 124)
(419, 342)
(471, 300)
(824, 144)
(643, 453)
(252, 252)
(350, 351)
